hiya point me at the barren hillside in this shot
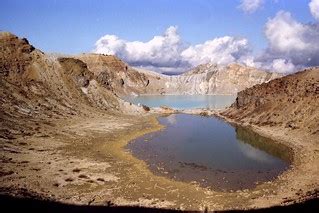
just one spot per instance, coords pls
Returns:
(114, 74)
(291, 102)
(36, 88)
(208, 79)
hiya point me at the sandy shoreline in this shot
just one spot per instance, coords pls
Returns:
(83, 161)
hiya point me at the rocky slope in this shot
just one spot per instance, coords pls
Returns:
(114, 74)
(207, 79)
(35, 88)
(290, 102)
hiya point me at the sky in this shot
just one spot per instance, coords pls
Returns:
(168, 35)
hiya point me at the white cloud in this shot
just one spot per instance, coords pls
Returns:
(161, 51)
(109, 44)
(250, 61)
(250, 6)
(168, 53)
(292, 45)
(224, 50)
(282, 66)
(285, 34)
(314, 8)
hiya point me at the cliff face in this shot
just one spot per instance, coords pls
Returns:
(207, 79)
(291, 102)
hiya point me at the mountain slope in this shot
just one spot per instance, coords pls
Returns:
(207, 79)
(35, 87)
(114, 74)
(291, 102)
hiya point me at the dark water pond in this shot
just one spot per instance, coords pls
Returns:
(211, 152)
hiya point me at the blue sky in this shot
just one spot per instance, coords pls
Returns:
(73, 26)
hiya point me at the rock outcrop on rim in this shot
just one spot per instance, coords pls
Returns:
(290, 102)
(114, 74)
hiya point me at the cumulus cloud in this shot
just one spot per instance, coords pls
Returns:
(282, 66)
(224, 50)
(161, 51)
(250, 6)
(314, 8)
(169, 53)
(285, 34)
(292, 45)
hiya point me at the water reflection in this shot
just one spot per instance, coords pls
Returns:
(254, 154)
(211, 152)
(171, 119)
(247, 136)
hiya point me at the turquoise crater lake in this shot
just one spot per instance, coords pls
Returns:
(184, 101)
(210, 152)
